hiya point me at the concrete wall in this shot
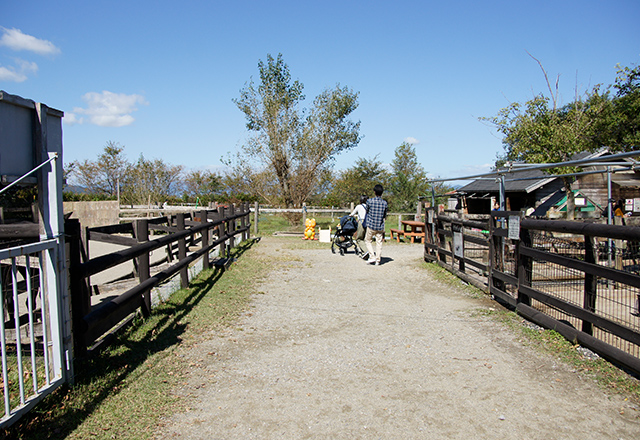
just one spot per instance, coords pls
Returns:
(93, 214)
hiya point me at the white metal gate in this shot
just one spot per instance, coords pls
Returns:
(31, 326)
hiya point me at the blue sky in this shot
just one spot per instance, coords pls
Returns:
(159, 77)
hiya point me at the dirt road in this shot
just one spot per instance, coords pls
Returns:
(334, 348)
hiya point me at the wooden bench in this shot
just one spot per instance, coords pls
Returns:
(413, 235)
(398, 233)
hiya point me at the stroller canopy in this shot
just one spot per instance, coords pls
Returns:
(348, 225)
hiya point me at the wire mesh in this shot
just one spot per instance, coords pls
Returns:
(617, 302)
(475, 251)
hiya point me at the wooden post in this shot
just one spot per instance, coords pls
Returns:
(441, 241)
(170, 245)
(222, 232)
(78, 290)
(495, 256)
(245, 220)
(256, 208)
(182, 252)
(206, 263)
(461, 265)
(142, 235)
(590, 282)
(231, 227)
(524, 266)
(304, 215)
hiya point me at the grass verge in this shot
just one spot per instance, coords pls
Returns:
(126, 389)
(605, 374)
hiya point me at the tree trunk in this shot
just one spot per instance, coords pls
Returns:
(571, 200)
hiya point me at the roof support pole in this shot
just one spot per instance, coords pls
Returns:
(502, 193)
(609, 215)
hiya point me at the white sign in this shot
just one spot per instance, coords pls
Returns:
(514, 227)
(458, 247)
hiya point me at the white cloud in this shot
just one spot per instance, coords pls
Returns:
(411, 140)
(108, 109)
(18, 73)
(9, 74)
(16, 40)
(472, 170)
(72, 119)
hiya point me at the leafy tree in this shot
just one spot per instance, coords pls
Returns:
(619, 128)
(204, 185)
(358, 180)
(242, 180)
(408, 179)
(541, 131)
(152, 181)
(295, 149)
(102, 177)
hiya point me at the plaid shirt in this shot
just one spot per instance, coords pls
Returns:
(376, 212)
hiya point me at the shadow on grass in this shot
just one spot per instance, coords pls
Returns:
(101, 374)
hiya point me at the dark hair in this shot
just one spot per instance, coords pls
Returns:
(363, 199)
(378, 190)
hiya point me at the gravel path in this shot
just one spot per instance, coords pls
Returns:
(338, 349)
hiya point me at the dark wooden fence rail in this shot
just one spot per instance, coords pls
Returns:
(209, 229)
(552, 272)
(470, 259)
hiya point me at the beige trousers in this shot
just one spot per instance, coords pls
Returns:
(368, 239)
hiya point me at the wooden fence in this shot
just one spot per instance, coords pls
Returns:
(180, 234)
(580, 279)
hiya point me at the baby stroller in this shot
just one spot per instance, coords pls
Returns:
(343, 238)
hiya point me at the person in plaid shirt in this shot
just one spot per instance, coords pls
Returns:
(374, 222)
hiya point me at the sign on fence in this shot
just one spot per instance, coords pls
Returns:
(458, 242)
(514, 227)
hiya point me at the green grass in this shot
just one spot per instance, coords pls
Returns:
(123, 391)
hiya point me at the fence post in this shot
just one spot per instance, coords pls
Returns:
(80, 295)
(256, 207)
(182, 251)
(170, 245)
(222, 232)
(246, 220)
(142, 235)
(442, 240)
(495, 257)
(524, 266)
(243, 220)
(231, 227)
(590, 282)
(459, 226)
(206, 263)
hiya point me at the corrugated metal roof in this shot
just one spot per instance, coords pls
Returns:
(510, 186)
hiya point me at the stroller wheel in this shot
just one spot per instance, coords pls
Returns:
(341, 251)
(333, 248)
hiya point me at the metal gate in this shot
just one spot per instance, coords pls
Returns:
(35, 337)
(31, 329)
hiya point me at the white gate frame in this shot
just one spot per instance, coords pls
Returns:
(52, 291)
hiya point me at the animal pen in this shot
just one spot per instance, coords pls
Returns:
(581, 279)
(52, 310)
